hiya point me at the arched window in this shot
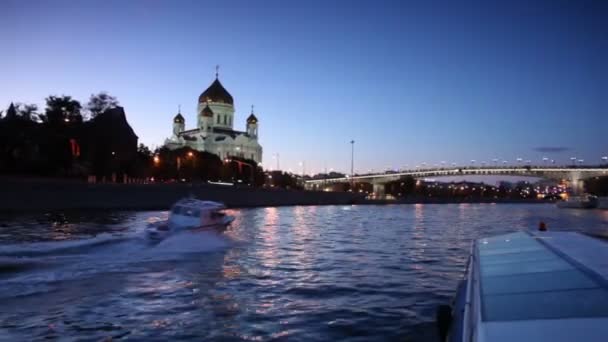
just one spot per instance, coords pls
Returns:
(225, 119)
(218, 118)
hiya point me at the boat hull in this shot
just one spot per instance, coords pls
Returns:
(162, 230)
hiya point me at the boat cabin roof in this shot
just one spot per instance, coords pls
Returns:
(546, 286)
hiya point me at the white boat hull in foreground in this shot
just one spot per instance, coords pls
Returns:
(545, 286)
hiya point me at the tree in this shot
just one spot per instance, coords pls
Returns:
(100, 103)
(144, 150)
(28, 112)
(404, 186)
(61, 110)
(11, 112)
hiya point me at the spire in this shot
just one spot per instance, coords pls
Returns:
(217, 71)
(179, 109)
(251, 109)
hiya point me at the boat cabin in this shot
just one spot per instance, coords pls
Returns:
(546, 286)
(193, 213)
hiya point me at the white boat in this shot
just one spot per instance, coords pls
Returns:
(192, 214)
(579, 202)
(545, 286)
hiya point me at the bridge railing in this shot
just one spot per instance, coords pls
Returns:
(527, 169)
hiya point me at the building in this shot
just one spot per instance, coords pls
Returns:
(214, 132)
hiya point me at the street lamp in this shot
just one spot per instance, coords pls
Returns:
(156, 160)
(605, 159)
(352, 162)
(545, 160)
(573, 159)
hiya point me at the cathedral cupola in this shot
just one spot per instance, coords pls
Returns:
(252, 125)
(216, 92)
(178, 123)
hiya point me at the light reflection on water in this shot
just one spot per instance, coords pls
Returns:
(290, 273)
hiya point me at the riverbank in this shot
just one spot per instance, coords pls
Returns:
(36, 194)
(47, 194)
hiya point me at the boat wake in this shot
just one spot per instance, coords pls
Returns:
(35, 267)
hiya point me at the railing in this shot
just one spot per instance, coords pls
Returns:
(465, 171)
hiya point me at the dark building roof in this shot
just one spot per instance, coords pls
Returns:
(216, 93)
(207, 111)
(178, 118)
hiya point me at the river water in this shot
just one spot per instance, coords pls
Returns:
(339, 273)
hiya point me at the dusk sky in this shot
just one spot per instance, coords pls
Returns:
(410, 82)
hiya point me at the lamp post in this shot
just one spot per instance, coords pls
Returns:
(573, 159)
(352, 162)
(605, 159)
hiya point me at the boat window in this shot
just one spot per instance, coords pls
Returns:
(192, 212)
(217, 214)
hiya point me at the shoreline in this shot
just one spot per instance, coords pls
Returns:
(35, 195)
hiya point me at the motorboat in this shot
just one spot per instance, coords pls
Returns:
(579, 202)
(191, 214)
(524, 286)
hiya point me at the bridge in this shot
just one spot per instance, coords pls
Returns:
(575, 175)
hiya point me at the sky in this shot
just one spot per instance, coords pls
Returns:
(410, 82)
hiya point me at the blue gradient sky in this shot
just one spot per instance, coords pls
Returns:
(411, 82)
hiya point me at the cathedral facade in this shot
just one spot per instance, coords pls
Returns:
(214, 132)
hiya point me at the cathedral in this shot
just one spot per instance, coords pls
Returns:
(214, 131)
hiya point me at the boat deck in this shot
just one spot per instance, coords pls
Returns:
(541, 287)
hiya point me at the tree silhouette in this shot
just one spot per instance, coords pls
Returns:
(61, 110)
(11, 112)
(28, 112)
(100, 103)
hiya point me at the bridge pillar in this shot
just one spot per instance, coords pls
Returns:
(379, 190)
(576, 182)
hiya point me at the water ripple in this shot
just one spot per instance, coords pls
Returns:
(344, 273)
